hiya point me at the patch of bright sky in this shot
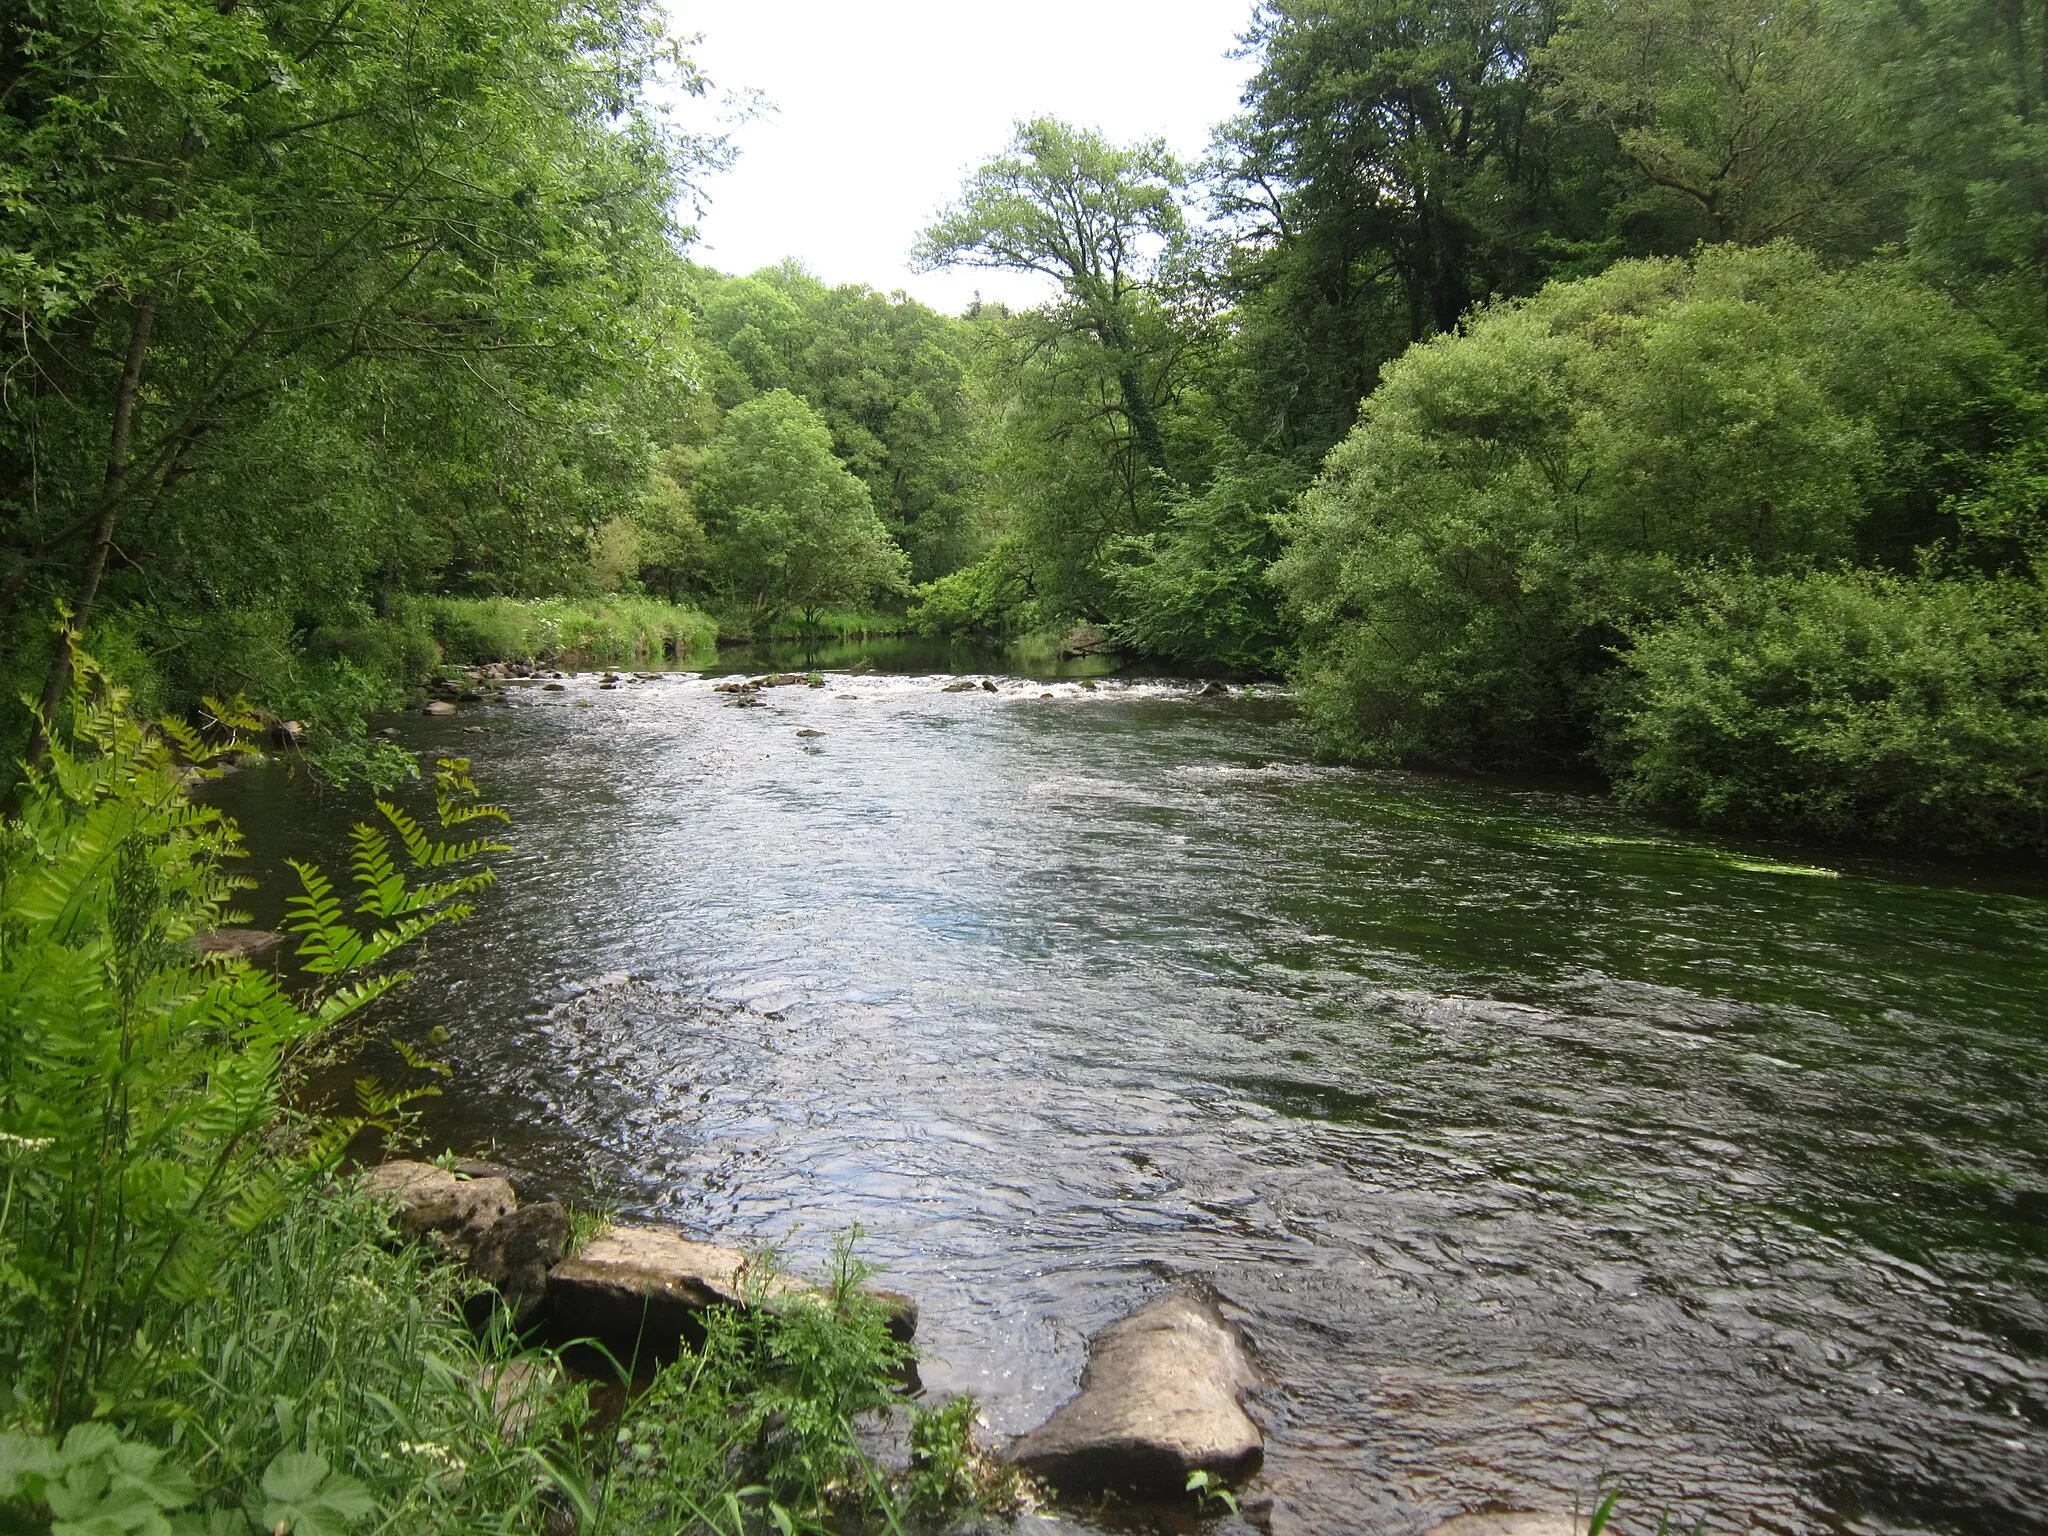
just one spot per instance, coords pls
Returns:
(882, 107)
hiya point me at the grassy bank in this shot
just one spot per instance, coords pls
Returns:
(827, 624)
(207, 1328)
(603, 631)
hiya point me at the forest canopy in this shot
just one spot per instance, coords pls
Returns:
(1639, 388)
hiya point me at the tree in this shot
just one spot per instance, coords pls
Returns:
(1093, 217)
(1963, 122)
(1755, 110)
(1519, 499)
(789, 525)
(403, 239)
(1395, 168)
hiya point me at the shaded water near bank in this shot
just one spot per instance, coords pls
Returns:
(1530, 1144)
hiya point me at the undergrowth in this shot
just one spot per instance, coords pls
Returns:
(826, 624)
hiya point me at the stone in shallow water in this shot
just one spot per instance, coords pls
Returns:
(1509, 1525)
(433, 1203)
(1162, 1397)
(242, 943)
(639, 1290)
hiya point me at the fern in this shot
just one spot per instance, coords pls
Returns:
(143, 1132)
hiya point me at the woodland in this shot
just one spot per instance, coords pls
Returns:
(1643, 389)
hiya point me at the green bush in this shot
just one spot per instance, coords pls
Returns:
(606, 631)
(327, 679)
(1197, 591)
(1519, 497)
(1914, 712)
(991, 597)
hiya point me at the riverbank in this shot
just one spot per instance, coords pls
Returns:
(207, 1320)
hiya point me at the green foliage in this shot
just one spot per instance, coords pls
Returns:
(1196, 591)
(96, 1484)
(610, 631)
(1755, 111)
(328, 1341)
(1394, 168)
(887, 375)
(990, 597)
(1844, 705)
(1519, 498)
(328, 700)
(790, 526)
(141, 1089)
(304, 312)
(1085, 387)
(761, 1418)
(302, 1494)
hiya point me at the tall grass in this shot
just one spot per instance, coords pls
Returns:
(327, 1340)
(604, 631)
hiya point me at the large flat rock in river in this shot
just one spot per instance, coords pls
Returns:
(1163, 1396)
(639, 1291)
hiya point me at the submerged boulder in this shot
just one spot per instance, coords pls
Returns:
(1162, 1397)
(439, 707)
(434, 1204)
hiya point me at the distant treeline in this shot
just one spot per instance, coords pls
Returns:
(1646, 387)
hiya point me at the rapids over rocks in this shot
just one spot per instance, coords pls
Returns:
(1529, 1144)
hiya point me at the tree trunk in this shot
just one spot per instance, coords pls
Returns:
(1144, 425)
(111, 491)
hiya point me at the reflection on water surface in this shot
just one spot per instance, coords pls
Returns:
(1530, 1145)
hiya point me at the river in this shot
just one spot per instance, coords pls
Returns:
(1531, 1144)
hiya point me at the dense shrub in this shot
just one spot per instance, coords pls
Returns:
(1196, 591)
(993, 596)
(1520, 496)
(1844, 705)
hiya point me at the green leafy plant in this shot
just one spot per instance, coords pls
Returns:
(1211, 1492)
(302, 1494)
(761, 1417)
(142, 1085)
(96, 1483)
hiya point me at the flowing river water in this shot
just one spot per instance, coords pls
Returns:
(1531, 1145)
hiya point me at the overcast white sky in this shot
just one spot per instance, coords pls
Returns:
(883, 106)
